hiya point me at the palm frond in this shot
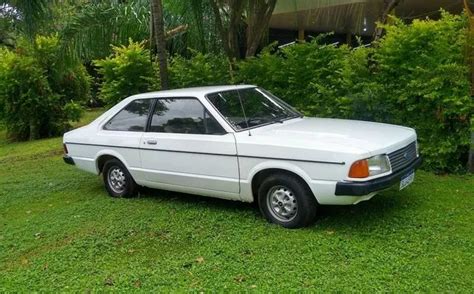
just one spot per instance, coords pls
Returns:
(201, 34)
(90, 33)
(30, 13)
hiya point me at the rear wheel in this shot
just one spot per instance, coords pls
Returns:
(118, 181)
(286, 200)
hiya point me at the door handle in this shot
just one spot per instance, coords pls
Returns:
(152, 142)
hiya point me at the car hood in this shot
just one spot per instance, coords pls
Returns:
(347, 136)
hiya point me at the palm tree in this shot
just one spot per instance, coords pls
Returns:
(29, 14)
(160, 39)
(90, 32)
(201, 33)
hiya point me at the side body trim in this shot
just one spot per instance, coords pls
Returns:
(206, 153)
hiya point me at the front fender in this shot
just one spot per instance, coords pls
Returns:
(275, 164)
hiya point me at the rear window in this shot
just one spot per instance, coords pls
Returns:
(133, 118)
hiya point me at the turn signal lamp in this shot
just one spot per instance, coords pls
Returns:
(359, 169)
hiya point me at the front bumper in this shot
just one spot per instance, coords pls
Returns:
(364, 188)
(67, 159)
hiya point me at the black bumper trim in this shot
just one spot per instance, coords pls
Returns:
(68, 160)
(364, 188)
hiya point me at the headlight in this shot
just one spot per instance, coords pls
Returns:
(378, 165)
(417, 149)
(375, 165)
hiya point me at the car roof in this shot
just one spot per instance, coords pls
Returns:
(193, 91)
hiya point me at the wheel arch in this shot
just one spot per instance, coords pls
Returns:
(259, 173)
(104, 155)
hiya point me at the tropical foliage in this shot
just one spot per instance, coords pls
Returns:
(128, 71)
(416, 76)
(423, 70)
(89, 33)
(39, 96)
(199, 70)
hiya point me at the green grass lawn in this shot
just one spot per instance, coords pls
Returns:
(59, 231)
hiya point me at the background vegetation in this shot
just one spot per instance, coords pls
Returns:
(128, 71)
(415, 75)
(39, 95)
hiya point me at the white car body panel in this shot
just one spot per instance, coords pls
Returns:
(194, 161)
(318, 150)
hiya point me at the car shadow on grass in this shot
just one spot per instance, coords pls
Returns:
(382, 208)
(190, 199)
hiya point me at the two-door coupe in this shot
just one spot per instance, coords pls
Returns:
(242, 143)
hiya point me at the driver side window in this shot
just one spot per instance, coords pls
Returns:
(183, 116)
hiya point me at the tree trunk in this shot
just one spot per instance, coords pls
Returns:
(220, 28)
(33, 130)
(388, 7)
(229, 32)
(259, 14)
(160, 39)
(152, 37)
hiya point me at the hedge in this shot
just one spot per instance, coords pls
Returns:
(39, 95)
(126, 72)
(417, 76)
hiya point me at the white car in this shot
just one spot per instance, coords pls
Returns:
(242, 143)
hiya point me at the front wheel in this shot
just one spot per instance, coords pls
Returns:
(118, 181)
(286, 200)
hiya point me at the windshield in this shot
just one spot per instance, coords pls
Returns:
(251, 107)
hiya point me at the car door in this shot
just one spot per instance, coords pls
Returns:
(186, 149)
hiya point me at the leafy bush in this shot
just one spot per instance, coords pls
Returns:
(127, 72)
(307, 75)
(5, 61)
(424, 73)
(199, 70)
(417, 76)
(71, 81)
(38, 94)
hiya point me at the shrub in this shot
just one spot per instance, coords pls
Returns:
(199, 70)
(423, 70)
(266, 71)
(71, 81)
(417, 76)
(308, 76)
(126, 72)
(39, 96)
(5, 61)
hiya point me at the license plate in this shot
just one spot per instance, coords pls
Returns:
(407, 179)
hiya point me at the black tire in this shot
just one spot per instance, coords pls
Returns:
(284, 191)
(128, 187)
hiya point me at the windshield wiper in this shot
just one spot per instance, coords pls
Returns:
(282, 119)
(278, 120)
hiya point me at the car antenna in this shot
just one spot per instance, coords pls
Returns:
(243, 111)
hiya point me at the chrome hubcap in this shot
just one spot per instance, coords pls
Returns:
(116, 179)
(282, 203)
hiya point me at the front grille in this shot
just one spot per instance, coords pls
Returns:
(402, 157)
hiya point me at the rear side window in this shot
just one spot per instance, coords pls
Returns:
(132, 118)
(183, 116)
